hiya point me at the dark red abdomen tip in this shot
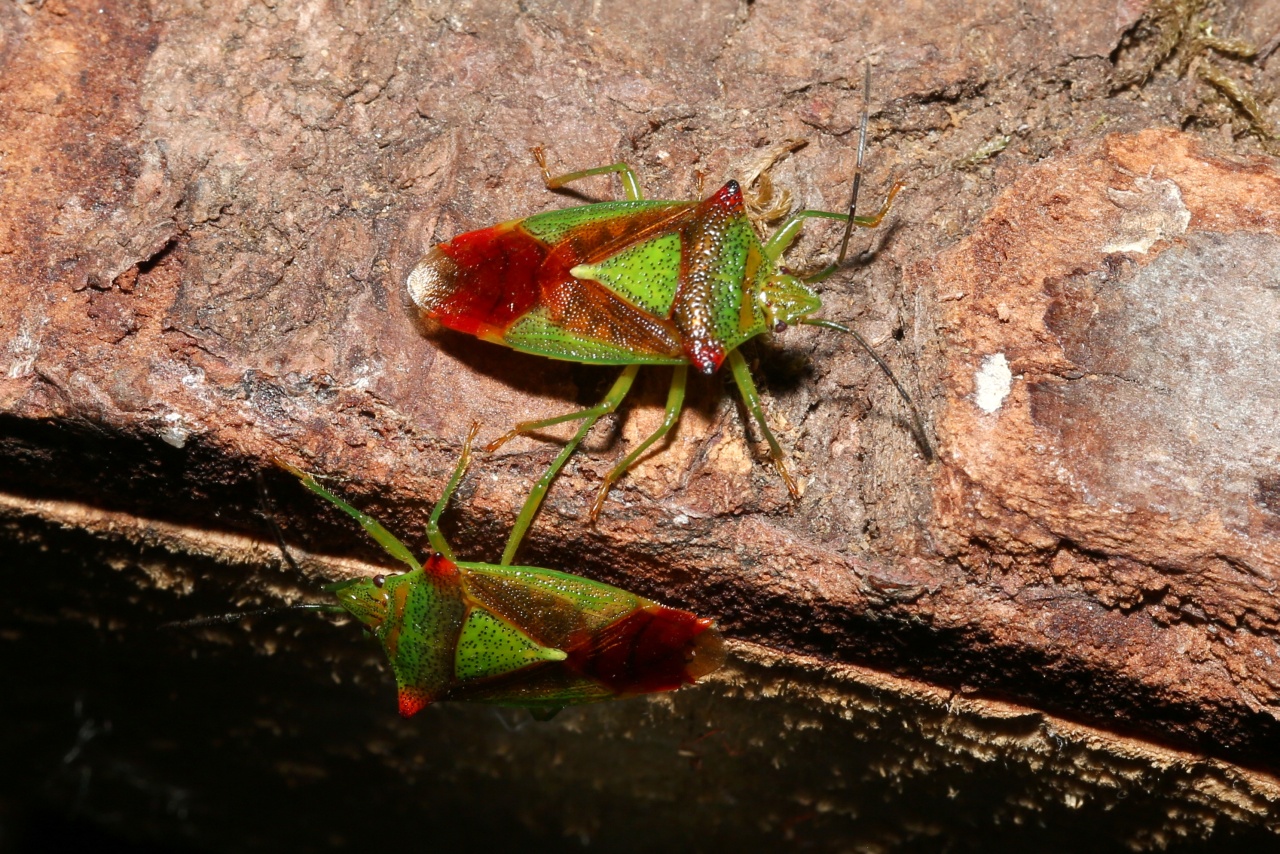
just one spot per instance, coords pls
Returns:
(481, 281)
(651, 649)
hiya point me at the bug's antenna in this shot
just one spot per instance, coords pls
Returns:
(857, 170)
(268, 513)
(917, 421)
(223, 619)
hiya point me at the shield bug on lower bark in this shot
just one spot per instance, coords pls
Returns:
(515, 635)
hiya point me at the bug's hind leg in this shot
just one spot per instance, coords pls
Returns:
(630, 184)
(675, 403)
(588, 417)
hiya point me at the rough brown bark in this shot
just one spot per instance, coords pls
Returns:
(208, 215)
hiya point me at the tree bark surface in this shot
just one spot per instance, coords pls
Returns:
(208, 213)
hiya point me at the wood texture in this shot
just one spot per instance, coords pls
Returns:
(207, 215)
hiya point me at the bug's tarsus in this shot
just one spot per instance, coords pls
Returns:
(506, 437)
(780, 466)
(540, 155)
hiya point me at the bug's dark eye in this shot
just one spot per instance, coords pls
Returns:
(780, 326)
(379, 580)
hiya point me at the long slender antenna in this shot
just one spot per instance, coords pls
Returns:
(268, 513)
(237, 616)
(917, 421)
(857, 171)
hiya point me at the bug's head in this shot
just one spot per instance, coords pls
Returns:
(786, 300)
(366, 599)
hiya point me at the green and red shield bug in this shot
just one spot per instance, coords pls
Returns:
(515, 635)
(635, 283)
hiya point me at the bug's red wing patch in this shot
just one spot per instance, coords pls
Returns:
(651, 649)
(481, 281)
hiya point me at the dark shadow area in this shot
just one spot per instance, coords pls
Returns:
(280, 734)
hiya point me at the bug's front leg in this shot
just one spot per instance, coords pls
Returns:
(786, 234)
(630, 184)
(751, 397)
(389, 542)
(434, 536)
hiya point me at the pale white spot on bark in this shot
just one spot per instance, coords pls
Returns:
(992, 382)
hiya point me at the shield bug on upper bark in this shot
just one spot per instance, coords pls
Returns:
(634, 283)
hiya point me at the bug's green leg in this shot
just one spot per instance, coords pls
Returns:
(742, 376)
(780, 241)
(589, 418)
(786, 234)
(675, 402)
(437, 540)
(630, 184)
(862, 222)
(384, 538)
(591, 412)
